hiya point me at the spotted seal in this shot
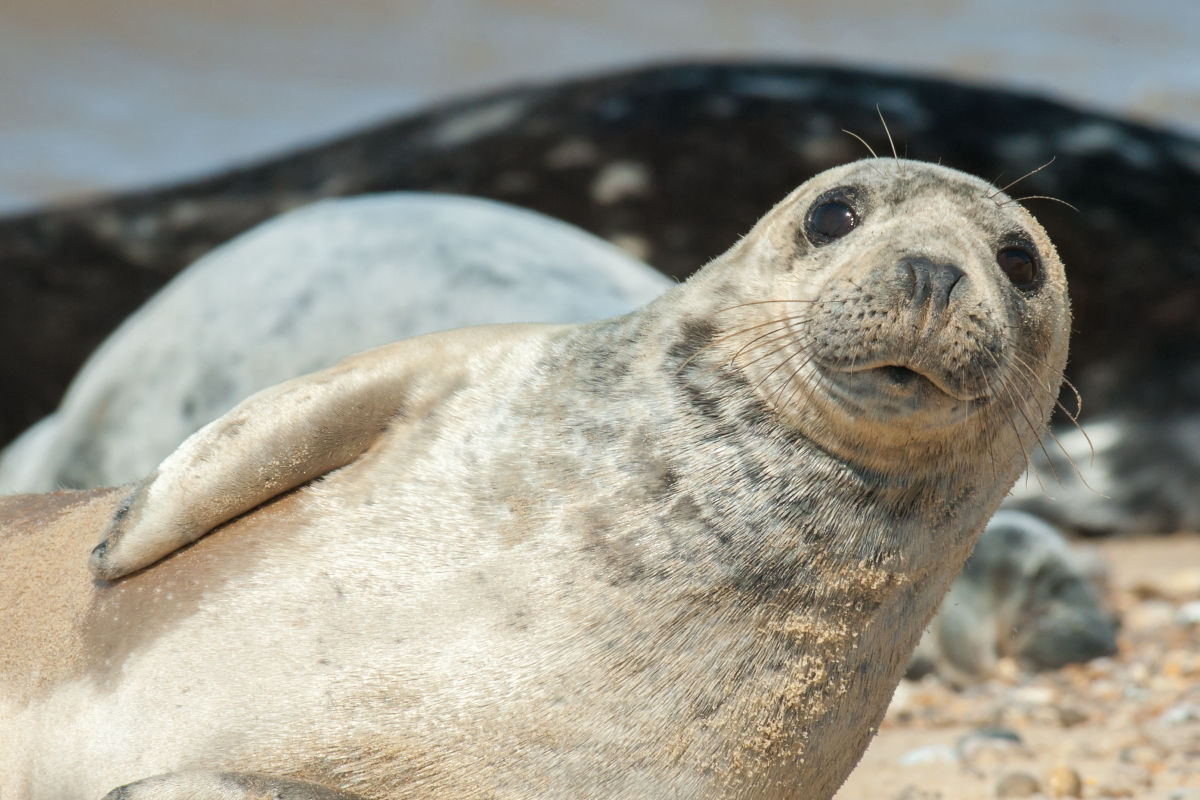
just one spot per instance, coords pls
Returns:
(682, 552)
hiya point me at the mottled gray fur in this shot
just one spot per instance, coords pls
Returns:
(681, 553)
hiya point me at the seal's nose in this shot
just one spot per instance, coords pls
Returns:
(931, 282)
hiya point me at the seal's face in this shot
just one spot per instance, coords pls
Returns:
(903, 299)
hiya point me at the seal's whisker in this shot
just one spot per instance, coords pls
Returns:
(729, 335)
(724, 365)
(811, 386)
(1030, 386)
(1012, 423)
(741, 331)
(870, 149)
(764, 302)
(1046, 197)
(1015, 400)
(797, 385)
(1073, 417)
(1078, 399)
(990, 443)
(1011, 184)
(883, 121)
(778, 366)
(1071, 460)
(781, 333)
(781, 323)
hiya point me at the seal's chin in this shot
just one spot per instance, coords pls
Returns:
(895, 393)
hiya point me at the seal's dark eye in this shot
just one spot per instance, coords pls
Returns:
(830, 220)
(1019, 265)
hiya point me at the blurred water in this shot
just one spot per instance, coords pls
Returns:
(95, 96)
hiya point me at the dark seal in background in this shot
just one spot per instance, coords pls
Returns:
(673, 162)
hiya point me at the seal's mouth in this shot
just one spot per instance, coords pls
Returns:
(895, 391)
(908, 379)
(901, 376)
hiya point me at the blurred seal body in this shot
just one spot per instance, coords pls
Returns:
(300, 293)
(1023, 594)
(685, 552)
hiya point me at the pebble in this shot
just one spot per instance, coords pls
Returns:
(1063, 781)
(1150, 615)
(911, 792)
(1180, 714)
(1034, 695)
(930, 754)
(1069, 716)
(1017, 784)
(1144, 755)
(990, 746)
(1188, 614)
(1183, 584)
(1124, 780)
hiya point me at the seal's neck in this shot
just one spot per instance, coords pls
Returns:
(777, 589)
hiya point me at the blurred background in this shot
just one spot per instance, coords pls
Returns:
(99, 96)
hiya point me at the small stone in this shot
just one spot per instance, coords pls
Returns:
(1181, 665)
(1188, 614)
(1007, 669)
(1144, 755)
(1183, 584)
(911, 792)
(991, 732)
(992, 745)
(1180, 714)
(1070, 716)
(1150, 615)
(930, 754)
(1034, 695)
(1017, 784)
(1063, 781)
(1124, 780)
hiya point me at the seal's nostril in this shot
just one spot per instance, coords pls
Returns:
(947, 275)
(931, 281)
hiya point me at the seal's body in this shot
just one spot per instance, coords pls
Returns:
(685, 552)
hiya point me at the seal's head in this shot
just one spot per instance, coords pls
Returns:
(885, 303)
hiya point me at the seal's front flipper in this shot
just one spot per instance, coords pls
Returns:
(225, 786)
(287, 435)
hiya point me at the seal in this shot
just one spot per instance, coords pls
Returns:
(682, 552)
(299, 294)
(1025, 594)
